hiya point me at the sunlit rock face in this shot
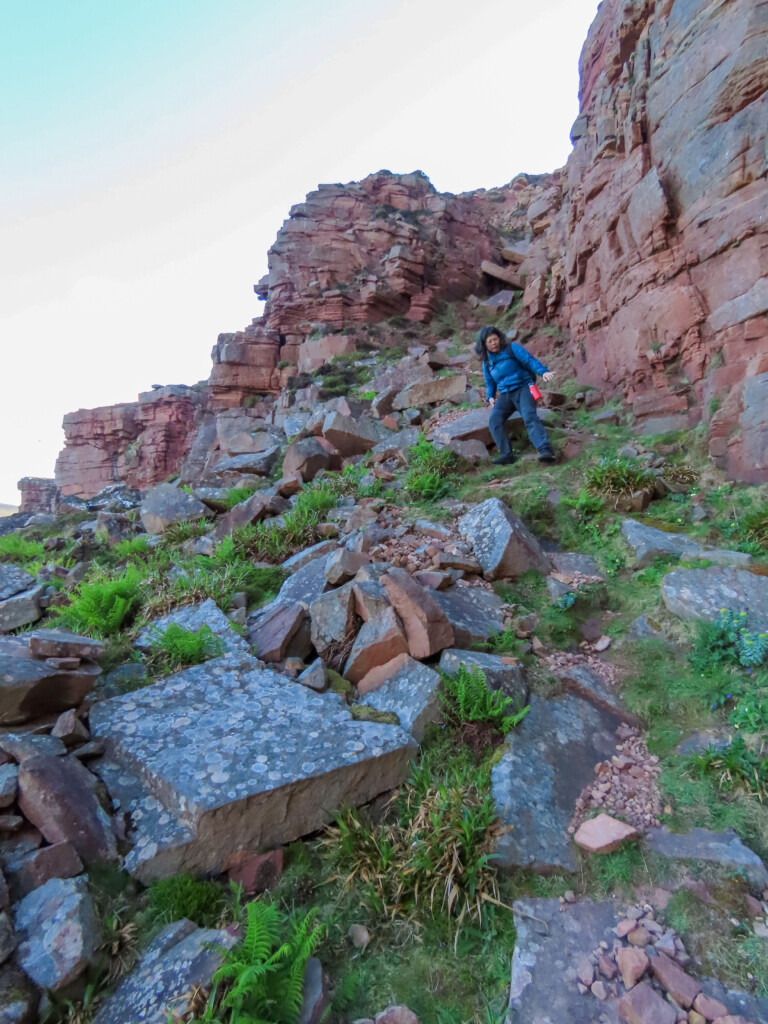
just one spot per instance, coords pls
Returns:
(650, 248)
(663, 211)
(138, 443)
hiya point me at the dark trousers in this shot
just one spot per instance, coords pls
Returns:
(508, 402)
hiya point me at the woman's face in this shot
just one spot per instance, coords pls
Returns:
(493, 343)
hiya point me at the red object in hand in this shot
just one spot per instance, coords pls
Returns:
(535, 393)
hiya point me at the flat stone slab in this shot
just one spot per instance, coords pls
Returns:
(584, 682)
(307, 583)
(232, 757)
(20, 609)
(570, 562)
(703, 593)
(194, 617)
(552, 940)
(499, 674)
(649, 543)
(724, 848)
(738, 1003)
(30, 689)
(180, 958)
(474, 613)
(412, 693)
(547, 761)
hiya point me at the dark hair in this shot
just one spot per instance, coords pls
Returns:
(483, 335)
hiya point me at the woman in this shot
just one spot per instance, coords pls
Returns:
(509, 370)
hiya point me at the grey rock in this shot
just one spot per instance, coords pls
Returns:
(178, 961)
(412, 694)
(58, 643)
(396, 446)
(352, 436)
(754, 1008)
(115, 498)
(547, 761)
(703, 593)
(724, 848)
(429, 392)
(649, 543)
(58, 932)
(7, 937)
(14, 580)
(24, 746)
(58, 796)
(499, 675)
(18, 999)
(643, 628)
(582, 681)
(123, 679)
(9, 779)
(315, 676)
(316, 995)
(165, 504)
(333, 618)
(21, 609)
(194, 617)
(227, 756)
(307, 583)
(272, 629)
(256, 463)
(302, 558)
(502, 543)
(706, 739)
(475, 614)
(552, 940)
(569, 562)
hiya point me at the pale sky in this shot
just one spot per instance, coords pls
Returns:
(152, 149)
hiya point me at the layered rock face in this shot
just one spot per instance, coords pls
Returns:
(663, 211)
(137, 444)
(356, 254)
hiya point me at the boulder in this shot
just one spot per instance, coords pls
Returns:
(18, 998)
(14, 580)
(546, 762)
(193, 617)
(305, 459)
(396, 446)
(429, 392)
(259, 506)
(57, 796)
(501, 673)
(552, 940)
(342, 564)
(24, 746)
(165, 504)
(307, 555)
(474, 614)
(20, 609)
(307, 583)
(412, 693)
(649, 543)
(426, 625)
(228, 756)
(333, 619)
(60, 860)
(255, 463)
(723, 848)
(502, 543)
(178, 963)
(379, 640)
(272, 629)
(57, 643)
(58, 930)
(704, 593)
(30, 689)
(352, 436)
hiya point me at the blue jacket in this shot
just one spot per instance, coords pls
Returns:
(509, 369)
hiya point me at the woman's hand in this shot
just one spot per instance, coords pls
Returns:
(490, 401)
(547, 376)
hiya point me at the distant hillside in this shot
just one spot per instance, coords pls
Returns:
(8, 510)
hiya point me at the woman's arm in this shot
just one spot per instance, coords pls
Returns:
(522, 355)
(490, 383)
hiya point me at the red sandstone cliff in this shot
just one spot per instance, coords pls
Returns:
(651, 246)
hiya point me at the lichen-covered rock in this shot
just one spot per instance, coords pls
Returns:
(724, 848)
(474, 614)
(193, 617)
(546, 762)
(649, 543)
(58, 932)
(412, 693)
(552, 940)
(20, 609)
(58, 643)
(166, 504)
(14, 580)
(228, 756)
(18, 999)
(704, 593)
(501, 673)
(502, 543)
(178, 962)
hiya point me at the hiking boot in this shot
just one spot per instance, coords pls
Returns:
(547, 455)
(504, 460)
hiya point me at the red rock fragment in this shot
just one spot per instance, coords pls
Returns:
(603, 834)
(643, 1005)
(632, 964)
(256, 872)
